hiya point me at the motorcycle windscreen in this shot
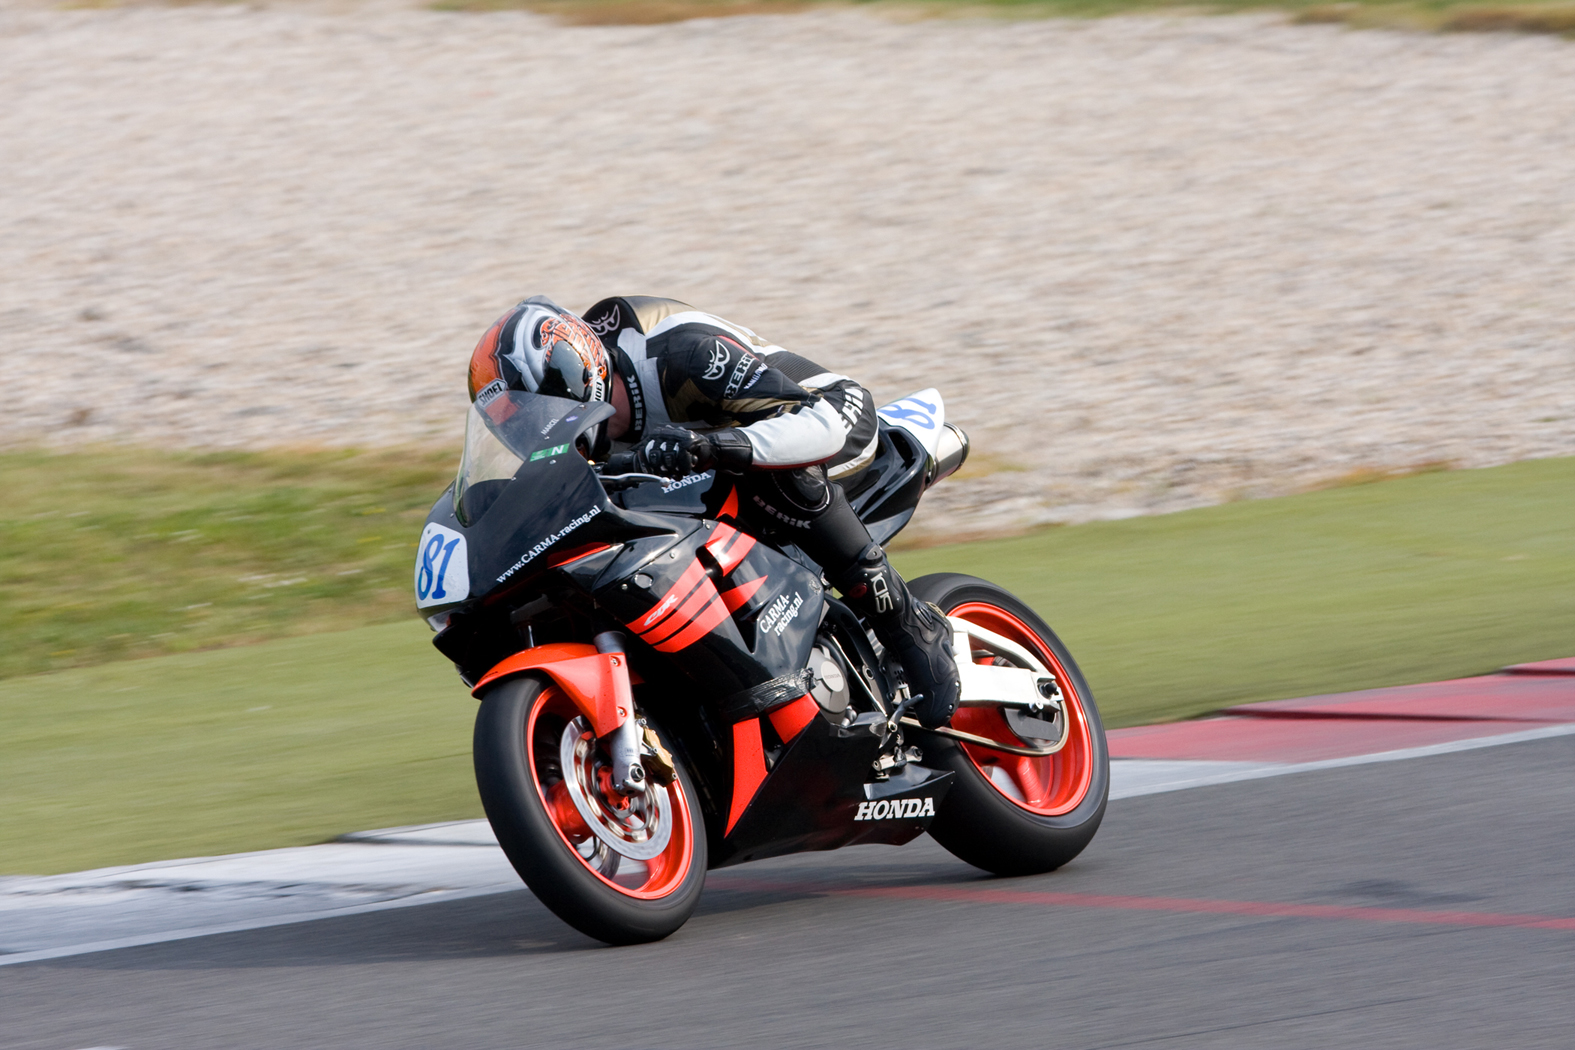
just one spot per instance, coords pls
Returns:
(508, 430)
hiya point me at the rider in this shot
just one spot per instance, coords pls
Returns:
(693, 392)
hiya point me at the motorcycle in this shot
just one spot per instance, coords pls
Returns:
(663, 691)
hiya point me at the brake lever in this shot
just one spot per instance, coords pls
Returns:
(619, 482)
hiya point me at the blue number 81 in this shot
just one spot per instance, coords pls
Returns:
(428, 580)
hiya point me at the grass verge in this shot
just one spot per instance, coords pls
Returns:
(116, 553)
(280, 744)
(1435, 575)
(297, 740)
(1536, 16)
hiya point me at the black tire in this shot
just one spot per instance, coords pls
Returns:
(540, 852)
(978, 822)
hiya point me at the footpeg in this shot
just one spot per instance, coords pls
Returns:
(896, 759)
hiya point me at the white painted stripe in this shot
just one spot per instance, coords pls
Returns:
(1176, 779)
(1130, 778)
(88, 948)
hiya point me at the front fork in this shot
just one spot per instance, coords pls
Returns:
(623, 743)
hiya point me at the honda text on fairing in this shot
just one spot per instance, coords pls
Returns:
(663, 693)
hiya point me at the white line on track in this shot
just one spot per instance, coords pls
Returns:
(433, 863)
(162, 936)
(1130, 777)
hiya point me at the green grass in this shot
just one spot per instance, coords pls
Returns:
(1430, 576)
(279, 744)
(297, 740)
(119, 553)
(1527, 16)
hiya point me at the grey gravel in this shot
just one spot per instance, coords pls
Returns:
(1153, 262)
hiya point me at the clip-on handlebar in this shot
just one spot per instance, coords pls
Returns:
(618, 473)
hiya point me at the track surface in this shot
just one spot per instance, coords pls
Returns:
(1371, 906)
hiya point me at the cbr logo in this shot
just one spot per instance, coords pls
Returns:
(719, 358)
(656, 613)
(896, 809)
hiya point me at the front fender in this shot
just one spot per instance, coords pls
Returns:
(598, 683)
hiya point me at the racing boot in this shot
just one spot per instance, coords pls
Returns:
(916, 633)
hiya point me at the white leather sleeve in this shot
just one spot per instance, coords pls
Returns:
(798, 439)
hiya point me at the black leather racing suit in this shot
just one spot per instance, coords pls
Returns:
(809, 429)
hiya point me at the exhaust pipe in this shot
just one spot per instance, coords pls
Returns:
(951, 452)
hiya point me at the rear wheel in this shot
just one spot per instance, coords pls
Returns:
(622, 869)
(1015, 814)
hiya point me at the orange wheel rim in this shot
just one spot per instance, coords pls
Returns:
(1051, 785)
(551, 717)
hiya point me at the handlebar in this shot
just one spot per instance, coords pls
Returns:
(619, 463)
(618, 474)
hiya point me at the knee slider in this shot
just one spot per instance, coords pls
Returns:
(806, 489)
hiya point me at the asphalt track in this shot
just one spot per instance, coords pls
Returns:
(1424, 903)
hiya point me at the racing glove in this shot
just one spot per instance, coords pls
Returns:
(675, 452)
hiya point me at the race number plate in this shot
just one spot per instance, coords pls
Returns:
(920, 414)
(442, 569)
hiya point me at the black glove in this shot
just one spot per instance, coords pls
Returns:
(675, 452)
(671, 452)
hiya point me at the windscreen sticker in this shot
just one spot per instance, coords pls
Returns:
(442, 567)
(543, 453)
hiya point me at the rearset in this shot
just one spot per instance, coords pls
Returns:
(1022, 693)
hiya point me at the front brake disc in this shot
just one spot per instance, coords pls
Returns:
(642, 830)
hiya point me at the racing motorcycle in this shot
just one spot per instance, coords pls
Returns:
(663, 691)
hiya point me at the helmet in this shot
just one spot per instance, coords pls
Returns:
(540, 347)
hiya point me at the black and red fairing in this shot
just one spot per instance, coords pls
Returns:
(705, 604)
(711, 614)
(723, 591)
(535, 495)
(528, 503)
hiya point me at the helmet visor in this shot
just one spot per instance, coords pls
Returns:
(566, 374)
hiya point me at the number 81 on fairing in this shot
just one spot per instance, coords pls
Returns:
(442, 567)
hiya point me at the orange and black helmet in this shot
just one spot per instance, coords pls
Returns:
(540, 347)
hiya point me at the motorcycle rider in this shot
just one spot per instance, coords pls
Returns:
(693, 392)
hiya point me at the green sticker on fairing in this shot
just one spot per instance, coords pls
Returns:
(556, 450)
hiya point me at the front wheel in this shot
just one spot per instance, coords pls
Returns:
(1014, 814)
(622, 869)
